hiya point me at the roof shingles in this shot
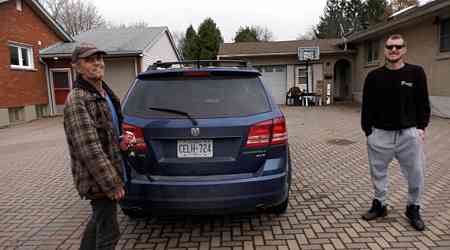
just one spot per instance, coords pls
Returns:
(280, 47)
(113, 41)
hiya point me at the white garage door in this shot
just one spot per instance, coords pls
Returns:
(274, 78)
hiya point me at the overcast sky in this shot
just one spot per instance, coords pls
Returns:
(285, 18)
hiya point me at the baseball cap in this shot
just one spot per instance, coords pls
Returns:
(85, 50)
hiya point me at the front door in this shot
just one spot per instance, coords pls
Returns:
(61, 80)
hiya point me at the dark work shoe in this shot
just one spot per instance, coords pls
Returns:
(413, 214)
(377, 210)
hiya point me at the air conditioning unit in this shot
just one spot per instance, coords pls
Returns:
(308, 53)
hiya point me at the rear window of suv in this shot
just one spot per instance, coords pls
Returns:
(200, 97)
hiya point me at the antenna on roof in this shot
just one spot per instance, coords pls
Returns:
(342, 33)
(402, 11)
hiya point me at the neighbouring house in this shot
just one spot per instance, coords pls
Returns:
(344, 63)
(25, 29)
(130, 51)
(281, 68)
(426, 29)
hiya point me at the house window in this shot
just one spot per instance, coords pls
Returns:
(21, 57)
(302, 77)
(372, 52)
(445, 35)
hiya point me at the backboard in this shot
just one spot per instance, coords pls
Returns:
(308, 53)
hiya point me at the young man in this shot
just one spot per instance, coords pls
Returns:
(92, 123)
(395, 113)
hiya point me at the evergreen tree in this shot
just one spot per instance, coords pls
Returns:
(342, 16)
(254, 33)
(246, 34)
(190, 47)
(330, 21)
(355, 15)
(209, 38)
(377, 11)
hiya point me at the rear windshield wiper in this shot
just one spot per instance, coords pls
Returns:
(194, 122)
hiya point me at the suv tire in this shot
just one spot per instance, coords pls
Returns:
(280, 208)
(133, 213)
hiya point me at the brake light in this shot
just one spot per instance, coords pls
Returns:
(196, 73)
(270, 132)
(141, 146)
(279, 131)
(259, 135)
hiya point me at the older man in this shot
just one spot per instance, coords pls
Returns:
(92, 123)
(395, 113)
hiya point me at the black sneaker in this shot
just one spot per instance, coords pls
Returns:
(413, 214)
(377, 210)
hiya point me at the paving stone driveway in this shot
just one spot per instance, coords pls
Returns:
(40, 210)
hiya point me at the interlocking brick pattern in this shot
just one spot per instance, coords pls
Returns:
(331, 189)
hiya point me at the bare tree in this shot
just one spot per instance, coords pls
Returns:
(263, 33)
(397, 5)
(307, 35)
(179, 38)
(138, 24)
(76, 16)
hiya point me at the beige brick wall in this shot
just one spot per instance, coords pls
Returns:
(30, 113)
(423, 49)
(4, 117)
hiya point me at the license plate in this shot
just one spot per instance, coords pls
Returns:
(195, 148)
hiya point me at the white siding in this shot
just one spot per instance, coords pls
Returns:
(119, 74)
(4, 117)
(290, 75)
(318, 74)
(160, 50)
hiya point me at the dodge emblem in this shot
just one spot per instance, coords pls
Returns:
(195, 131)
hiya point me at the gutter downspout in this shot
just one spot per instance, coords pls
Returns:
(51, 100)
(135, 67)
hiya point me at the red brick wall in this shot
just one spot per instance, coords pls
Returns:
(20, 87)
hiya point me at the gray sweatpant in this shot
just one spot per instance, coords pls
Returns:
(407, 147)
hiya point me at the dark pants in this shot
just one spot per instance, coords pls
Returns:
(102, 230)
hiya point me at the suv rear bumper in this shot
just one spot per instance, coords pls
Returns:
(209, 197)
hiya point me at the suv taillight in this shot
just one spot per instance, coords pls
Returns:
(279, 131)
(271, 132)
(259, 135)
(141, 146)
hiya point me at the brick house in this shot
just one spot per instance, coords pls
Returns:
(25, 29)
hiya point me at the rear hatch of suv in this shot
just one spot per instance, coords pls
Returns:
(199, 124)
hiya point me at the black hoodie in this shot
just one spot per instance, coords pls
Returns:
(395, 99)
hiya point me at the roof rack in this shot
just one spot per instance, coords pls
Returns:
(201, 63)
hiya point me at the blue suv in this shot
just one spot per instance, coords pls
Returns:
(210, 139)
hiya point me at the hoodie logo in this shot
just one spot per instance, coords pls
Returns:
(405, 83)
